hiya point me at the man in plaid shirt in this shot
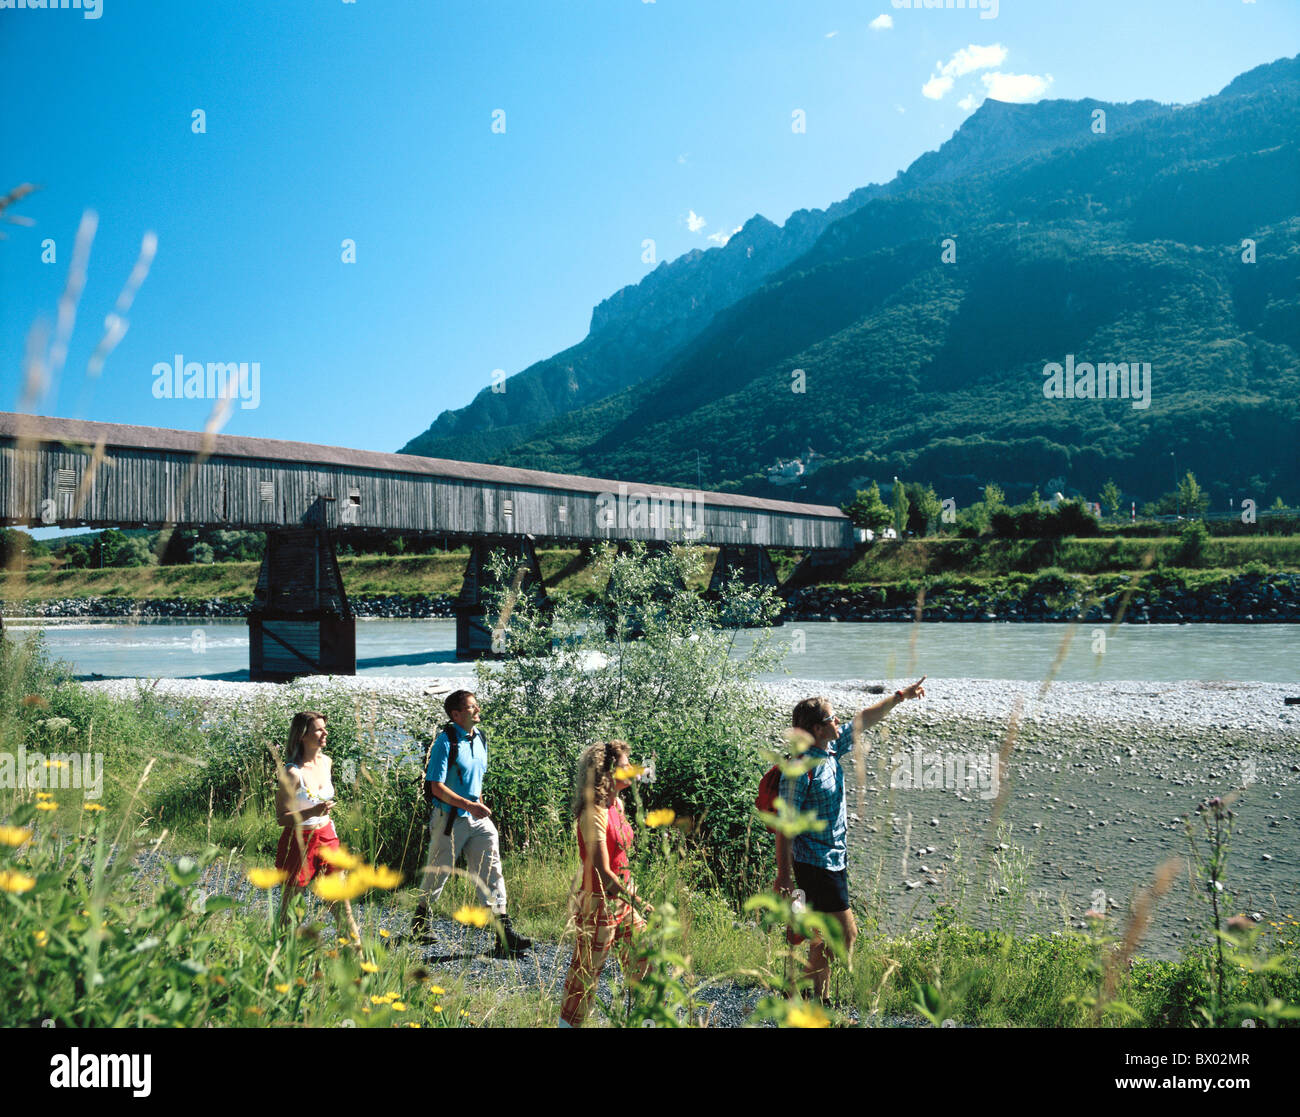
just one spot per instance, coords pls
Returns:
(817, 861)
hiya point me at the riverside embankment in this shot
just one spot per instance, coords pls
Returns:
(1155, 599)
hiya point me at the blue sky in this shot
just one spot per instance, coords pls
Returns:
(479, 249)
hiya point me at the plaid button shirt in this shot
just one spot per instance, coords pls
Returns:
(824, 794)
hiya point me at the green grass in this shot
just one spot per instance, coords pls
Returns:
(222, 965)
(979, 563)
(563, 571)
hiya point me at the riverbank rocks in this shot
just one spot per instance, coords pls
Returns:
(1245, 599)
(400, 606)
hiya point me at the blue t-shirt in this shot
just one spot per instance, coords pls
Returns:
(466, 775)
(824, 793)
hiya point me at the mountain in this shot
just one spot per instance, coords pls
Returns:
(638, 329)
(1171, 239)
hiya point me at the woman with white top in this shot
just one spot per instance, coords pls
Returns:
(303, 801)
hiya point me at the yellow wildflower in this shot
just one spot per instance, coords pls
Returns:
(378, 1001)
(267, 878)
(44, 795)
(42, 937)
(369, 967)
(472, 916)
(338, 887)
(92, 806)
(437, 991)
(46, 805)
(340, 858)
(253, 1010)
(412, 1023)
(660, 818)
(378, 876)
(811, 1017)
(14, 881)
(398, 1006)
(282, 987)
(629, 771)
(437, 1008)
(13, 835)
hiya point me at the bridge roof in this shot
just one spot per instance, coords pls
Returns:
(41, 428)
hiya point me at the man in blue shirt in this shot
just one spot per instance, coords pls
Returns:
(461, 823)
(818, 861)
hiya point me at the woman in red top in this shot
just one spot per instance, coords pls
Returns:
(304, 797)
(607, 902)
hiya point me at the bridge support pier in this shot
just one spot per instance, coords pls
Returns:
(477, 635)
(752, 563)
(819, 566)
(300, 622)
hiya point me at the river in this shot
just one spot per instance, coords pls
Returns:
(218, 649)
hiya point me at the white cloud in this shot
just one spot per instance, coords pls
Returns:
(965, 61)
(1016, 87)
(681, 159)
(881, 23)
(936, 88)
(968, 102)
(831, 34)
(722, 238)
(972, 58)
(695, 222)
(899, 109)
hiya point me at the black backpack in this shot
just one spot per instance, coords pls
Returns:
(453, 752)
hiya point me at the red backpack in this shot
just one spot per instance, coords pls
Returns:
(768, 789)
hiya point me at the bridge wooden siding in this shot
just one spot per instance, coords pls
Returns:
(150, 476)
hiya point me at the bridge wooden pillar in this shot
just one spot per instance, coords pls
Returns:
(475, 630)
(753, 563)
(819, 566)
(300, 622)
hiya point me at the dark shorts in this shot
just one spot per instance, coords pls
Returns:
(827, 889)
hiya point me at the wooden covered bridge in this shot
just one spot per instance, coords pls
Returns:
(75, 473)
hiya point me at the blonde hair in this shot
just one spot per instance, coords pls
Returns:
(302, 722)
(594, 779)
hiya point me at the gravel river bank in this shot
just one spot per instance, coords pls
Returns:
(1092, 793)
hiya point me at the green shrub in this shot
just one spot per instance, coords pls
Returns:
(650, 664)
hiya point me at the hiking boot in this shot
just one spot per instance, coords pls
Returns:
(420, 923)
(510, 943)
